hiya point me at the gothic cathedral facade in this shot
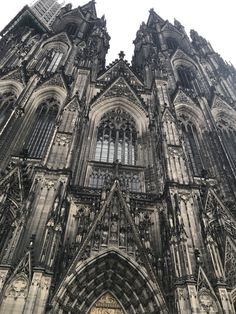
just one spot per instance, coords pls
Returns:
(117, 183)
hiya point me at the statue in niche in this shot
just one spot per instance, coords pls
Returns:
(114, 230)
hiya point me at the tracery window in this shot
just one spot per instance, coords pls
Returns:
(228, 135)
(187, 78)
(42, 128)
(116, 138)
(7, 101)
(192, 147)
(71, 28)
(55, 57)
(171, 43)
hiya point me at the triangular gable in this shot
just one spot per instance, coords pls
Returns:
(118, 67)
(167, 115)
(15, 75)
(120, 88)
(205, 291)
(114, 227)
(219, 103)
(182, 98)
(55, 80)
(22, 272)
(230, 262)
(154, 18)
(61, 37)
(170, 28)
(89, 7)
(73, 105)
(180, 54)
(13, 182)
(217, 211)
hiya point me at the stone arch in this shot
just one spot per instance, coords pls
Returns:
(14, 86)
(98, 109)
(193, 114)
(225, 122)
(15, 294)
(208, 302)
(138, 113)
(194, 75)
(195, 133)
(53, 50)
(114, 272)
(45, 109)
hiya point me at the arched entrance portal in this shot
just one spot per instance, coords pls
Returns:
(107, 304)
(114, 273)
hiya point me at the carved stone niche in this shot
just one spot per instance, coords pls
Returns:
(107, 304)
(207, 302)
(18, 288)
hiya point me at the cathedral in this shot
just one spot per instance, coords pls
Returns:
(117, 182)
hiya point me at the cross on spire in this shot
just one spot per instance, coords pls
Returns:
(121, 55)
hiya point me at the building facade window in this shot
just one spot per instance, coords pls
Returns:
(192, 148)
(187, 78)
(116, 138)
(55, 57)
(42, 129)
(71, 29)
(171, 43)
(7, 101)
(228, 135)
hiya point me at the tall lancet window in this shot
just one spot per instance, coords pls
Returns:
(42, 129)
(7, 101)
(192, 147)
(187, 78)
(55, 58)
(228, 135)
(116, 138)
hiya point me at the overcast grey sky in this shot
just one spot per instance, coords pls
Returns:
(213, 19)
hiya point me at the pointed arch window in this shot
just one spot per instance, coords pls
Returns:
(55, 57)
(192, 147)
(116, 138)
(71, 29)
(187, 78)
(42, 129)
(7, 101)
(228, 135)
(171, 43)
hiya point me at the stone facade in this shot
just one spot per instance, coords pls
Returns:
(118, 183)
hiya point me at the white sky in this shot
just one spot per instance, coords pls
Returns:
(213, 19)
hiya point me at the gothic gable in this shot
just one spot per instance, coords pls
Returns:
(217, 214)
(115, 227)
(182, 98)
(60, 38)
(15, 75)
(181, 55)
(89, 7)
(117, 69)
(73, 105)
(168, 27)
(55, 80)
(230, 262)
(120, 88)
(206, 294)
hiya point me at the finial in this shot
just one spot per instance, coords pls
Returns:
(121, 55)
(151, 10)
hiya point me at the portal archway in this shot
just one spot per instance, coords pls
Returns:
(110, 271)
